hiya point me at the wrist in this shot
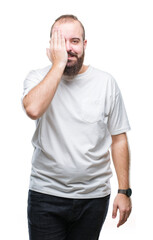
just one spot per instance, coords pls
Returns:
(124, 184)
(127, 192)
(58, 69)
(59, 65)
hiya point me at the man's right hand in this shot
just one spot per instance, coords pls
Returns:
(39, 97)
(57, 53)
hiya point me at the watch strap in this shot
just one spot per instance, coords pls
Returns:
(127, 192)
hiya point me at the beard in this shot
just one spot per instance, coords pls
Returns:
(73, 67)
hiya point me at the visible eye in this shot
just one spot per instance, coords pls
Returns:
(75, 41)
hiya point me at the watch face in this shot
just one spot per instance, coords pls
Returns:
(129, 192)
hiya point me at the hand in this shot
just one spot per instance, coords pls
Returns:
(123, 203)
(57, 53)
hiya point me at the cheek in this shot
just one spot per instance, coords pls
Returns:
(78, 50)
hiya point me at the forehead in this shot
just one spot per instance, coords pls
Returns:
(69, 29)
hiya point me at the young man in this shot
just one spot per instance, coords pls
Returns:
(79, 115)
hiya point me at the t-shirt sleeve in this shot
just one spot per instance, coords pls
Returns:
(117, 120)
(32, 79)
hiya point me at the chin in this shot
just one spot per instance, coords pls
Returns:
(71, 63)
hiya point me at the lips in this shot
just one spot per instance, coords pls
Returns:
(71, 58)
(71, 54)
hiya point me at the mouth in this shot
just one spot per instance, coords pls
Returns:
(70, 57)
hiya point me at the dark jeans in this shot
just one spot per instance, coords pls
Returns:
(57, 218)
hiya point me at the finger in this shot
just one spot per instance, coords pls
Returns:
(51, 40)
(59, 38)
(54, 39)
(122, 219)
(127, 214)
(63, 41)
(114, 214)
(48, 53)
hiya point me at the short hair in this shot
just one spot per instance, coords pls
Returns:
(65, 18)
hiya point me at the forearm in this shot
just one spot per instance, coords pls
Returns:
(121, 159)
(38, 99)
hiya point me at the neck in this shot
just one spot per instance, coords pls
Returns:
(83, 69)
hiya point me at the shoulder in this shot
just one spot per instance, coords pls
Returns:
(106, 80)
(39, 73)
(44, 70)
(104, 77)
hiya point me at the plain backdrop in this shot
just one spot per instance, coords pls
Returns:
(120, 41)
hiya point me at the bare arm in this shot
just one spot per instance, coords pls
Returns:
(121, 160)
(38, 99)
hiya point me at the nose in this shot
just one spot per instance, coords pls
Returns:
(68, 46)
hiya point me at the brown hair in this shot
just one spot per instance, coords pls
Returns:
(65, 18)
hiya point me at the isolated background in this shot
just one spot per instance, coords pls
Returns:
(120, 41)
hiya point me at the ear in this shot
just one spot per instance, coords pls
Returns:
(85, 44)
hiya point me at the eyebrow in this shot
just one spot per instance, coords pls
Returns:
(76, 38)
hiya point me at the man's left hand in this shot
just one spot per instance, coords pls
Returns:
(124, 205)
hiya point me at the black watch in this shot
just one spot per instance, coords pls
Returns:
(127, 192)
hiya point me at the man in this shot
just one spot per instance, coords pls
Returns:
(79, 114)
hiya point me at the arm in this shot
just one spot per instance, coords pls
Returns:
(38, 99)
(121, 160)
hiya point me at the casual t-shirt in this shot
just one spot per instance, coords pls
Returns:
(72, 139)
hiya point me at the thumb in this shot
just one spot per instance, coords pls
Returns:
(47, 51)
(48, 54)
(114, 213)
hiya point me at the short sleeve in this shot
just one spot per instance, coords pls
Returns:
(31, 80)
(117, 120)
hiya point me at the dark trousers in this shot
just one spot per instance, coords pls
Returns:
(57, 218)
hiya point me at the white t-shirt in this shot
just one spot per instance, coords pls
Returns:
(72, 138)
